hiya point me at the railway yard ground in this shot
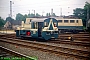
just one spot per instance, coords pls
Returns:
(68, 46)
(7, 31)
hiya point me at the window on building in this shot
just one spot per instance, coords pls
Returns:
(60, 21)
(65, 21)
(72, 21)
(76, 21)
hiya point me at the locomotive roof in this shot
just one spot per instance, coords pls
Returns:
(38, 20)
(68, 19)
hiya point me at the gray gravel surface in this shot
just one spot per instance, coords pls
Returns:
(38, 54)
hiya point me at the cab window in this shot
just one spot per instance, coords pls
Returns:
(55, 24)
(45, 24)
(35, 25)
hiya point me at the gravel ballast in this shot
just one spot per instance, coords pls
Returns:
(36, 53)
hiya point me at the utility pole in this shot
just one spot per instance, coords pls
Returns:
(29, 13)
(42, 13)
(11, 12)
(60, 11)
(34, 13)
(11, 9)
(87, 17)
(68, 11)
(51, 12)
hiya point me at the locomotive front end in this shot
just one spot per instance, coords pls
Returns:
(50, 29)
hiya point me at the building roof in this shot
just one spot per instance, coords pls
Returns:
(7, 24)
(15, 22)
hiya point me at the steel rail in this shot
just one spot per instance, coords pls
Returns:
(16, 53)
(52, 49)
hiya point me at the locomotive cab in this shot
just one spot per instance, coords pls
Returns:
(37, 25)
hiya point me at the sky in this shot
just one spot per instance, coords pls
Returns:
(40, 6)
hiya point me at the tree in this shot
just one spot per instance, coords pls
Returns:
(79, 12)
(2, 22)
(48, 14)
(19, 16)
(38, 15)
(9, 19)
(29, 15)
(24, 17)
(32, 15)
(82, 13)
(87, 8)
(54, 14)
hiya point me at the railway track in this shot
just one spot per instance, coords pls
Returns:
(4, 54)
(10, 55)
(77, 38)
(57, 50)
(71, 43)
(82, 38)
(7, 35)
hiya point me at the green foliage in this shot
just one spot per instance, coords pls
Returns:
(29, 15)
(79, 12)
(24, 17)
(53, 14)
(48, 14)
(87, 5)
(82, 13)
(38, 15)
(32, 15)
(2, 22)
(9, 19)
(19, 16)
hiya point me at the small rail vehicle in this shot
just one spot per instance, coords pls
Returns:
(40, 28)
